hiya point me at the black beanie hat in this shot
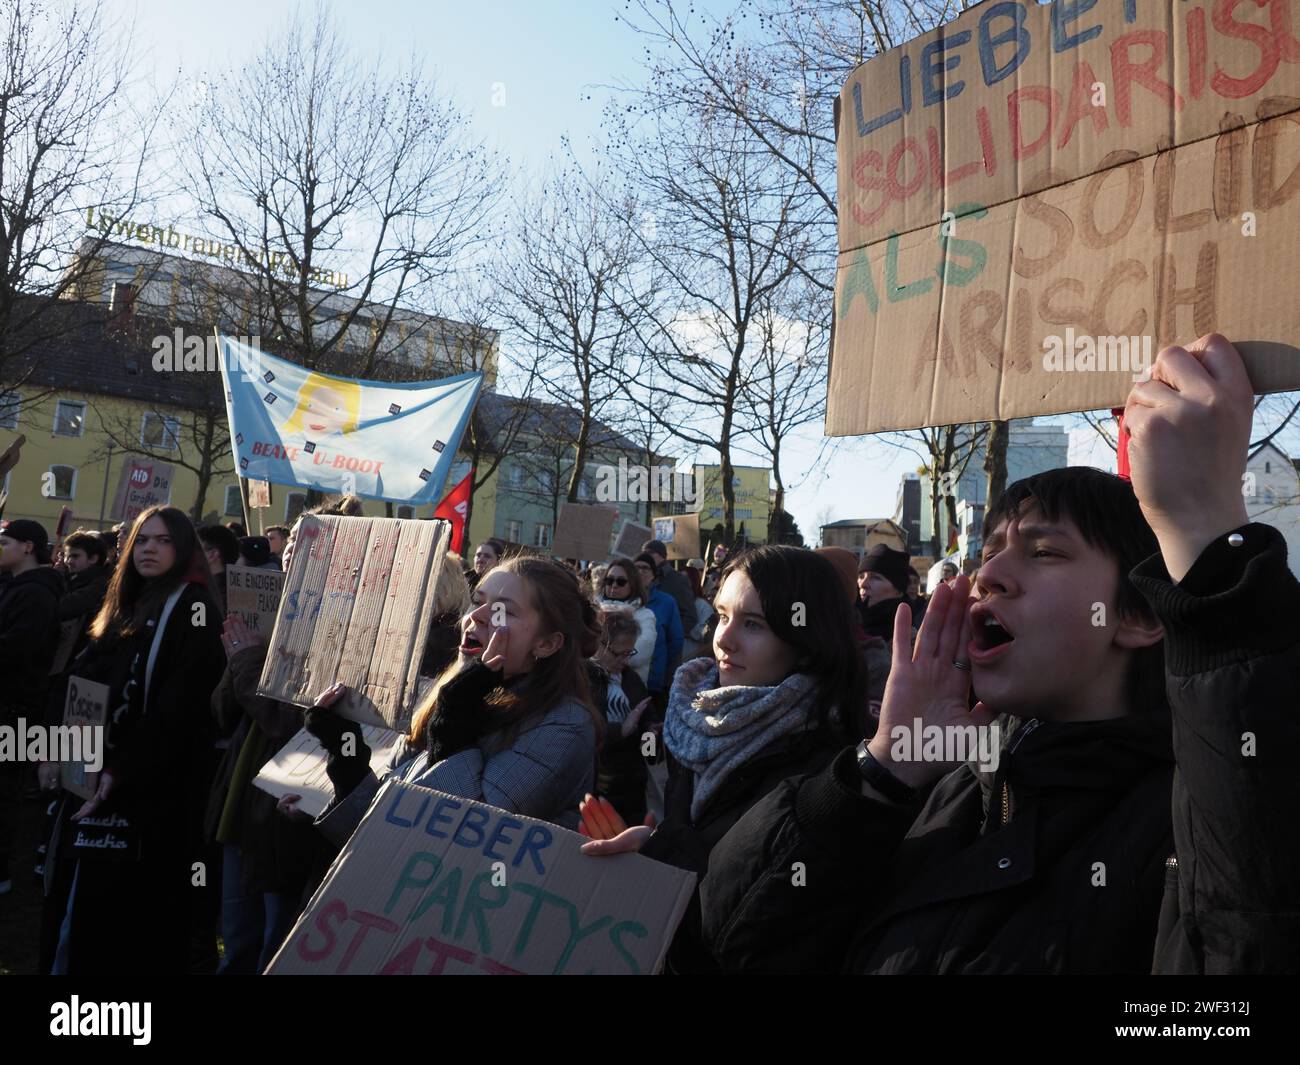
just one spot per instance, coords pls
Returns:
(892, 565)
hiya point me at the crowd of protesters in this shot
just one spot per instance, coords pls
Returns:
(737, 718)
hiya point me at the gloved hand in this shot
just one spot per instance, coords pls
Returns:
(460, 717)
(349, 756)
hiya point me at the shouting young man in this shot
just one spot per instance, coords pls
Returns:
(1129, 644)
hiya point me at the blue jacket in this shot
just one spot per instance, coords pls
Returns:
(668, 644)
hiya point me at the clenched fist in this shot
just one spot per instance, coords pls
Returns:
(1189, 428)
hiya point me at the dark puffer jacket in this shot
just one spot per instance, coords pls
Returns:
(688, 842)
(29, 634)
(1068, 859)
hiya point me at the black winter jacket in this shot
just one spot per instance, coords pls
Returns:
(688, 843)
(1068, 859)
(29, 635)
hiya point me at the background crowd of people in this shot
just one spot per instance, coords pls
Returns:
(736, 719)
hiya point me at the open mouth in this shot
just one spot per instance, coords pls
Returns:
(469, 645)
(988, 632)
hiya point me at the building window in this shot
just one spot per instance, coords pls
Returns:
(583, 490)
(1268, 495)
(516, 477)
(406, 511)
(1268, 467)
(542, 536)
(10, 403)
(65, 482)
(513, 531)
(546, 481)
(159, 431)
(459, 469)
(293, 506)
(69, 418)
(234, 502)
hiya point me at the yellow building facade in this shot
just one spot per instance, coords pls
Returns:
(753, 505)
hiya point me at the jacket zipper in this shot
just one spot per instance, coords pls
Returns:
(1006, 788)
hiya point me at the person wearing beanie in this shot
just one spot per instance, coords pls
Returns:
(29, 636)
(883, 580)
(875, 651)
(255, 551)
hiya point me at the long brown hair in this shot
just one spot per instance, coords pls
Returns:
(563, 609)
(132, 599)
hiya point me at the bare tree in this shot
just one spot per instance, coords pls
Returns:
(722, 232)
(183, 420)
(564, 279)
(342, 192)
(787, 388)
(776, 68)
(74, 145)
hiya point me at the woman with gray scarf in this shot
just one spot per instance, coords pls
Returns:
(786, 692)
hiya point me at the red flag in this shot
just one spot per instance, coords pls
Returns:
(454, 508)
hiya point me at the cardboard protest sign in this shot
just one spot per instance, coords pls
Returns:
(433, 884)
(143, 483)
(86, 707)
(1035, 199)
(583, 532)
(299, 767)
(254, 594)
(259, 493)
(680, 534)
(356, 607)
(630, 538)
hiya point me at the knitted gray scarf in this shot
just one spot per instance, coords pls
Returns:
(713, 731)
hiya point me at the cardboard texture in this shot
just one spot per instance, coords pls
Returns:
(254, 594)
(259, 493)
(1116, 177)
(299, 767)
(358, 600)
(583, 532)
(86, 707)
(680, 534)
(629, 540)
(142, 484)
(433, 884)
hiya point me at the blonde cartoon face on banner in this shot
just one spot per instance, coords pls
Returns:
(325, 407)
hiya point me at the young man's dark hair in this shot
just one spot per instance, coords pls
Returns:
(222, 540)
(1105, 510)
(237, 528)
(91, 543)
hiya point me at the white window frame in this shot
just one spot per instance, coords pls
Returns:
(514, 530)
(171, 431)
(239, 503)
(81, 423)
(541, 535)
(11, 402)
(72, 490)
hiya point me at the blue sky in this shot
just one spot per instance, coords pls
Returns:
(551, 58)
